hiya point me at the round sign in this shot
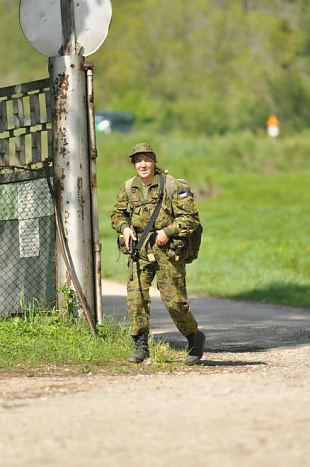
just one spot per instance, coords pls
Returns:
(42, 26)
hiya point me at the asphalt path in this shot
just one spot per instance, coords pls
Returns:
(230, 325)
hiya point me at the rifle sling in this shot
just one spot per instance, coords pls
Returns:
(153, 217)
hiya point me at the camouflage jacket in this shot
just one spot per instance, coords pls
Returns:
(178, 215)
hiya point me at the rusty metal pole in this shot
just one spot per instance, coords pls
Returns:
(71, 161)
(71, 171)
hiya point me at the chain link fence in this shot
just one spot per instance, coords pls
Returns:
(27, 242)
(27, 231)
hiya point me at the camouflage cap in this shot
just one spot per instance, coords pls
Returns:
(143, 148)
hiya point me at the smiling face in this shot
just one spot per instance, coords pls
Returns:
(145, 166)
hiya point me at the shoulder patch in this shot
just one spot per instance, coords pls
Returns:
(182, 192)
(128, 186)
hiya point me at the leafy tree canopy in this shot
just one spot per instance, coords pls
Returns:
(201, 66)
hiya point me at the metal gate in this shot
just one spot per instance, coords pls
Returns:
(27, 231)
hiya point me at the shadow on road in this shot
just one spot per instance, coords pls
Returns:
(230, 325)
(229, 363)
(277, 293)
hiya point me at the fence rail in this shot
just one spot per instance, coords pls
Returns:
(25, 124)
(27, 225)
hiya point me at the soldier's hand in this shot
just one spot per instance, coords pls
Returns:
(161, 238)
(128, 234)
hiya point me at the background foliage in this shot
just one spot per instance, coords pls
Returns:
(202, 66)
(253, 196)
(201, 78)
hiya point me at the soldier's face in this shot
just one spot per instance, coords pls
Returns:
(145, 167)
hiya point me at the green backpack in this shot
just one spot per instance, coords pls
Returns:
(189, 245)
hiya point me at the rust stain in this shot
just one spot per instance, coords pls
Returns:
(62, 151)
(79, 184)
(94, 181)
(93, 154)
(59, 188)
(62, 137)
(66, 216)
(81, 199)
(61, 91)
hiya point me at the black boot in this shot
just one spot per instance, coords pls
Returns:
(141, 349)
(196, 342)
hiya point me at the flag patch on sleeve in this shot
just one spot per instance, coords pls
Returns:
(182, 193)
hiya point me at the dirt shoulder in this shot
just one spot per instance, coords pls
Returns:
(234, 409)
(246, 404)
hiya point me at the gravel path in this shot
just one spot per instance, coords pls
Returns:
(247, 404)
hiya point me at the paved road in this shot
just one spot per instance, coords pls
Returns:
(229, 325)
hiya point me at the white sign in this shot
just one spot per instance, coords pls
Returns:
(42, 26)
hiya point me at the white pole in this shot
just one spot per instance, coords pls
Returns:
(94, 202)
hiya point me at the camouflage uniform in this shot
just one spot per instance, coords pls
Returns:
(177, 217)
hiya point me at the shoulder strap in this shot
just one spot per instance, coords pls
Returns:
(170, 185)
(128, 185)
(154, 215)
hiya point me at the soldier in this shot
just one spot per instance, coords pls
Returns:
(177, 217)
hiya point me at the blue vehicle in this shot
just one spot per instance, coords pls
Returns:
(114, 121)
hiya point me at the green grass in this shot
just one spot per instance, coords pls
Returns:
(257, 240)
(42, 343)
(253, 196)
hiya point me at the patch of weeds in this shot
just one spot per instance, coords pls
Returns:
(70, 302)
(47, 341)
(165, 357)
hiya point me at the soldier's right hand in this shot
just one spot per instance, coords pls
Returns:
(128, 234)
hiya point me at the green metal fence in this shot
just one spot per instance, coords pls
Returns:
(27, 230)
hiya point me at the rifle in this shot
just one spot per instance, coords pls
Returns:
(133, 256)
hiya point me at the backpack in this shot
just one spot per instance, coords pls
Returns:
(192, 241)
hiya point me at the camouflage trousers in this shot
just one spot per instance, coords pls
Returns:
(171, 282)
